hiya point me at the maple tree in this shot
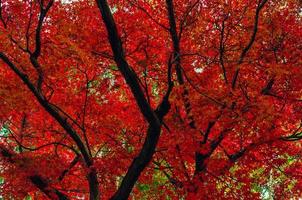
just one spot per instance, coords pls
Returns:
(150, 99)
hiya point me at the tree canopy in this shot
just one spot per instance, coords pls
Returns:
(150, 99)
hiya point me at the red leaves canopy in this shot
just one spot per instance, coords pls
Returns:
(212, 95)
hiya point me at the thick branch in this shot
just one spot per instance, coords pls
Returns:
(177, 61)
(154, 118)
(267, 89)
(119, 57)
(1, 15)
(72, 164)
(37, 180)
(201, 158)
(43, 12)
(175, 40)
(250, 43)
(221, 50)
(34, 56)
(92, 178)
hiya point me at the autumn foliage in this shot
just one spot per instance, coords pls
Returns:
(150, 99)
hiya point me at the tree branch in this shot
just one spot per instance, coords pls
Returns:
(250, 43)
(92, 177)
(37, 180)
(154, 119)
